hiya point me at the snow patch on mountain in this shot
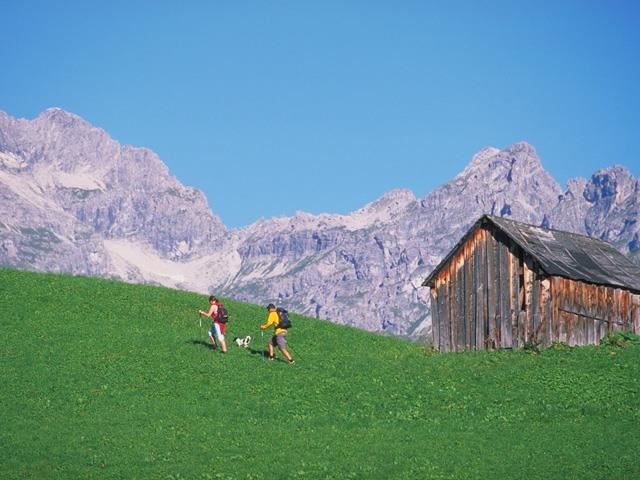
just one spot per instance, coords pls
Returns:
(136, 261)
(12, 161)
(83, 180)
(29, 190)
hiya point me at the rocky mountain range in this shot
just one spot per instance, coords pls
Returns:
(74, 200)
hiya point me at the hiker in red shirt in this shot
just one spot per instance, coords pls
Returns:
(218, 328)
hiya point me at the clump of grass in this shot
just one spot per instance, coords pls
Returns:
(532, 347)
(620, 339)
(427, 346)
(561, 346)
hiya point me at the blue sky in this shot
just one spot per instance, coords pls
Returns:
(275, 107)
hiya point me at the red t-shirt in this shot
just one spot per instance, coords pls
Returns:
(214, 314)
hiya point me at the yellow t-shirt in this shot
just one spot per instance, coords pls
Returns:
(273, 320)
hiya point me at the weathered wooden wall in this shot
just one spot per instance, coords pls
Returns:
(585, 312)
(492, 294)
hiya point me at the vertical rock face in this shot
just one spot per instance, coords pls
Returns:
(64, 177)
(605, 207)
(74, 200)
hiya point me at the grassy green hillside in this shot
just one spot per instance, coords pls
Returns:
(108, 380)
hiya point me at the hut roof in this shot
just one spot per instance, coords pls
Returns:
(563, 254)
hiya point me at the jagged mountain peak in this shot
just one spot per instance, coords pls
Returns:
(511, 168)
(522, 147)
(399, 195)
(520, 159)
(576, 184)
(69, 144)
(483, 155)
(510, 182)
(62, 118)
(84, 179)
(393, 200)
(57, 112)
(613, 184)
(618, 173)
(383, 210)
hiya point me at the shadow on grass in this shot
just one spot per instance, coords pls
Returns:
(202, 343)
(255, 352)
(263, 354)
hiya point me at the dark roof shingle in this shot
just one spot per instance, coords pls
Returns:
(563, 254)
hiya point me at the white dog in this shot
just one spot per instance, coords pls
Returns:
(243, 342)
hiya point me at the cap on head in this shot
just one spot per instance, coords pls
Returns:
(271, 306)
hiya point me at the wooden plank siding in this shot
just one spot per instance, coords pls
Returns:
(491, 294)
(514, 297)
(469, 303)
(590, 312)
(493, 286)
(504, 294)
(481, 291)
(435, 315)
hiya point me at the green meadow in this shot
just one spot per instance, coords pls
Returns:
(107, 380)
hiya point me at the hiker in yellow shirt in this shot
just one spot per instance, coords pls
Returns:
(279, 338)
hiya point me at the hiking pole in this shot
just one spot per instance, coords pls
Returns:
(199, 328)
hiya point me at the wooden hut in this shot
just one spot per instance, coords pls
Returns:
(507, 283)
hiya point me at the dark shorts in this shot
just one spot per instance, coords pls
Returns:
(279, 341)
